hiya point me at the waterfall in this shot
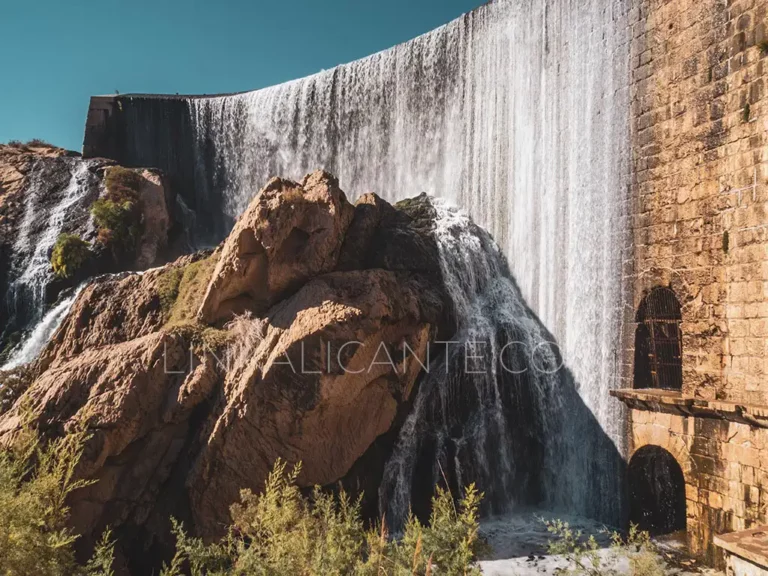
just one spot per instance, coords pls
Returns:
(54, 202)
(517, 112)
(34, 343)
(498, 408)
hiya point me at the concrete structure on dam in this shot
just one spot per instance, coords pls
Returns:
(615, 149)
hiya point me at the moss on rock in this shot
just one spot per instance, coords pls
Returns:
(69, 255)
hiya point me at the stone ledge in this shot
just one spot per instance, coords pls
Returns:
(673, 402)
(749, 544)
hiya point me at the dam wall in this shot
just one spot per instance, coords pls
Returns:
(518, 112)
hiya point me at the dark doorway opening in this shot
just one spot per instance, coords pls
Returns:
(659, 341)
(656, 491)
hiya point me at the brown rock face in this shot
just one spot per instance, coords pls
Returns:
(156, 200)
(34, 180)
(334, 363)
(185, 414)
(290, 233)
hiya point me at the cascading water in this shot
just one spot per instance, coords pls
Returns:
(34, 343)
(518, 112)
(498, 408)
(48, 209)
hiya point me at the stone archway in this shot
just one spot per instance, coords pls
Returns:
(656, 491)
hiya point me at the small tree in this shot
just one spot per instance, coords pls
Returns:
(70, 253)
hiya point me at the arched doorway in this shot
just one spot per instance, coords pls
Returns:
(659, 341)
(656, 491)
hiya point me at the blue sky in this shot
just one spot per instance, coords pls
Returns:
(63, 51)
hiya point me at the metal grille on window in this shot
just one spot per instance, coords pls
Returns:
(658, 342)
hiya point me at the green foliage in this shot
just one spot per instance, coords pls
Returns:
(582, 552)
(122, 181)
(39, 143)
(763, 47)
(103, 558)
(69, 254)
(279, 532)
(35, 481)
(191, 290)
(119, 214)
(168, 287)
(644, 559)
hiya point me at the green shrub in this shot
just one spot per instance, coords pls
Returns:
(118, 180)
(191, 290)
(583, 557)
(279, 532)
(168, 287)
(35, 481)
(119, 214)
(40, 143)
(69, 254)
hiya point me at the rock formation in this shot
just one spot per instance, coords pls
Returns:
(302, 338)
(290, 233)
(45, 192)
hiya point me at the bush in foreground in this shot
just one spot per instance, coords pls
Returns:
(276, 533)
(35, 481)
(70, 253)
(584, 559)
(281, 533)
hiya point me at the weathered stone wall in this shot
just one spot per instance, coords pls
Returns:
(725, 465)
(700, 169)
(699, 223)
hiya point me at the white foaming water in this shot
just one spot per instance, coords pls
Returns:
(31, 347)
(518, 112)
(498, 409)
(33, 251)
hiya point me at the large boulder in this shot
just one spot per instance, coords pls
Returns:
(290, 233)
(331, 367)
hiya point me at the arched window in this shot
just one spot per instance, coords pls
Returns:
(659, 342)
(656, 491)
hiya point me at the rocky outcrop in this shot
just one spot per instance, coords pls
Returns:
(290, 233)
(187, 411)
(46, 191)
(325, 380)
(157, 205)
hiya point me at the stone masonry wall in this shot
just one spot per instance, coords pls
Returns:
(700, 117)
(725, 465)
(700, 168)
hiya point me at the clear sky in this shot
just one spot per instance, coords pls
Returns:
(60, 52)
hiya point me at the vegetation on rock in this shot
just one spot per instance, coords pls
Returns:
(280, 532)
(35, 481)
(70, 253)
(168, 287)
(118, 215)
(184, 300)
